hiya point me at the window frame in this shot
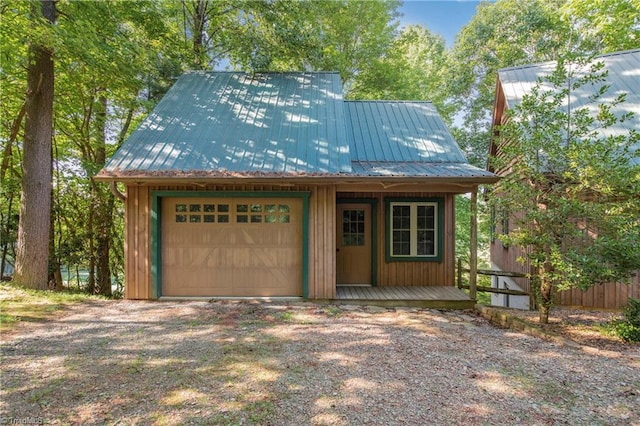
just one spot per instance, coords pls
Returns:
(438, 203)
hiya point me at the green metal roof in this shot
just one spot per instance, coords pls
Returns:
(228, 124)
(402, 139)
(400, 132)
(623, 77)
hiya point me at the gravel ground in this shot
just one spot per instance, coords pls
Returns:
(170, 363)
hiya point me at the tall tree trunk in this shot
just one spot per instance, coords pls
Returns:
(7, 229)
(199, 22)
(32, 256)
(104, 206)
(103, 242)
(91, 278)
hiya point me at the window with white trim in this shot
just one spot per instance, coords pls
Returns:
(413, 230)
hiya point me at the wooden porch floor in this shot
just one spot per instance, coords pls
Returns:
(424, 297)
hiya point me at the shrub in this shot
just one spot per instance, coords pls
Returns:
(629, 328)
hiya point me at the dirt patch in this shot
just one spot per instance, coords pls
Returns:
(170, 363)
(585, 327)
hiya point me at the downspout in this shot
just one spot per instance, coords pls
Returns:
(113, 186)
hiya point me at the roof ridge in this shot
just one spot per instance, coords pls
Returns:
(204, 72)
(538, 64)
(400, 101)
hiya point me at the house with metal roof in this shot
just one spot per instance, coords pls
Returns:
(623, 77)
(272, 185)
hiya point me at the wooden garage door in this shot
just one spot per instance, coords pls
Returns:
(231, 247)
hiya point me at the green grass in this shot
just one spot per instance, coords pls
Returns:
(19, 304)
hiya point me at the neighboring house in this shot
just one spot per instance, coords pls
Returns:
(513, 83)
(273, 185)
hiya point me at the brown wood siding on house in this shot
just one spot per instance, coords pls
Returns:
(138, 243)
(322, 242)
(412, 273)
(603, 296)
(321, 272)
(506, 259)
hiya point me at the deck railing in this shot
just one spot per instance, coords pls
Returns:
(494, 273)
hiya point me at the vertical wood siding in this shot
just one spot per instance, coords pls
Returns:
(138, 243)
(604, 296)
(321, 271)
(506, 259)
(322, 242)
(413, 273)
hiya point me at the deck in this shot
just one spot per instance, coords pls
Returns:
(423, 297)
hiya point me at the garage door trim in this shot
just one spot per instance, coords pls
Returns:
(156, 221)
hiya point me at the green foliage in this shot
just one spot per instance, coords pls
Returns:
(605, 25)
(114, 60)
(509, 33)
(629, 328)
(414, 68)
(572, 192)
(463, 230)
(501, 34)
(19, 304)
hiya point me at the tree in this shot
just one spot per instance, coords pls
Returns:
(32, 254)
(605, 25)
(517, 32)
(108, 54)
(501, 34)
(351, 35)
(572, 191)
(413, 67)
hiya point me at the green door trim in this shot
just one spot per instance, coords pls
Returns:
(373, 202)
(156, 229)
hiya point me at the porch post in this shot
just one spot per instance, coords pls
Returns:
(473, 257)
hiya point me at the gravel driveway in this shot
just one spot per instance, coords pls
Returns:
(166, 363)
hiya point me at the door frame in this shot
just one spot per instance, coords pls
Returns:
(156, 226)
(373, 203)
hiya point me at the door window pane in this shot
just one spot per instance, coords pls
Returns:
(353, 227)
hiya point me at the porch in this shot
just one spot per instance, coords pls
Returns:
(441, 297)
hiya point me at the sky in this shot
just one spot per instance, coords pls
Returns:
(445, 17)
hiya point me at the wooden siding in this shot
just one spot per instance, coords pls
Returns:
(322, 242)
(138, 244)
(602, 296)
(605, 296)
(506, 259)
(321, 271)
(412, 273)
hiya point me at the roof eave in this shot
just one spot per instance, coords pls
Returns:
(343, 178)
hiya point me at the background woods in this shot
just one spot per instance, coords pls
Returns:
(97, 68)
